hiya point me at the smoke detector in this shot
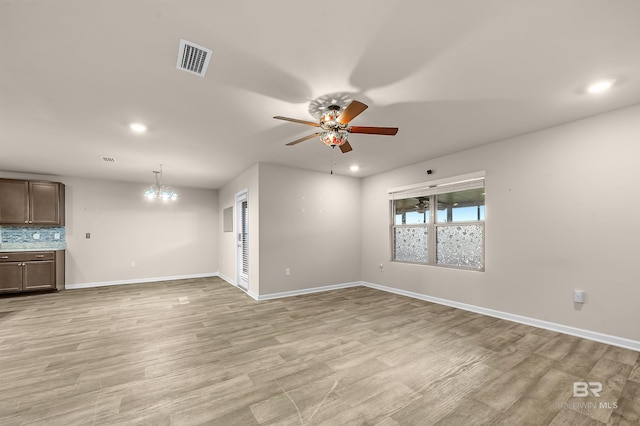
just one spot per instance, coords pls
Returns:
(192, 58)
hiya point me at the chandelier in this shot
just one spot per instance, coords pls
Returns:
(160, 191)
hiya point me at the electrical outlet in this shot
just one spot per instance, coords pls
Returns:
(87, 235)
(36, 236)
(56, 236)
(133, 263)
(579, 296)
(287, 272)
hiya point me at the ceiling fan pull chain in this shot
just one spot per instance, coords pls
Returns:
(331, 158)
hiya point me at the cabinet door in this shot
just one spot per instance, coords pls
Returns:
(14, 201)
(10, 277)
(44, 200)
(38, 275)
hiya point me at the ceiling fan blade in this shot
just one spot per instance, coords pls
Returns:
(295, 120)
(351, 111)
(389, 131)
(306, 138)
(345, 147)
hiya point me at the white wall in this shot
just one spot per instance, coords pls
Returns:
(309, 223)
(298, 219)
(165, 240)
(562, 210)
(248, 180)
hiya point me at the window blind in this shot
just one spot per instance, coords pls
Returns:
(245, 237)
(459, 183)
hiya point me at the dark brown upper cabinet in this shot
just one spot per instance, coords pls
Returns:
(31, 202)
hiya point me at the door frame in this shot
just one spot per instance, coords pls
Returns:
(242, 278)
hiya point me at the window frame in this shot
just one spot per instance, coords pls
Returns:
(432, 190)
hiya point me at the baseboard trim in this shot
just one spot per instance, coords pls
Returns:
(235, 284)
(304, 291)
(560, 328)
(227, 279)
(547, 325)
(254, 296)
(139, 280)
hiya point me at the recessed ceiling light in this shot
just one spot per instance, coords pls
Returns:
(600, 86)
(354, 168)
(138, 127)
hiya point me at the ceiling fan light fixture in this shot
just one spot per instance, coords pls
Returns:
(334, 137)
(329, 117)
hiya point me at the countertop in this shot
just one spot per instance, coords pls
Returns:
(45, 248)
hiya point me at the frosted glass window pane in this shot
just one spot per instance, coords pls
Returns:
(460, 246)
(411, 244)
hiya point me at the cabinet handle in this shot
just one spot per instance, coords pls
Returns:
(39, 256)
(4, 257)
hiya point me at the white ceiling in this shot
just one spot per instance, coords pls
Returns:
(451, 74)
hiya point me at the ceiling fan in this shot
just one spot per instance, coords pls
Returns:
(334, 123)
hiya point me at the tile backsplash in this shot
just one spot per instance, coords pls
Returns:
(30, 237)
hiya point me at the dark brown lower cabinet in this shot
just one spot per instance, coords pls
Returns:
(31, 271)
(10, 276)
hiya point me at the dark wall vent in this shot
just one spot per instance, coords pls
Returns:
(107, 159)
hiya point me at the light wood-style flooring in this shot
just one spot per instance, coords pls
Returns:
(201, 351)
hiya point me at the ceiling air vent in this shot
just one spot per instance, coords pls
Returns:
(193, 58)
(108, 160)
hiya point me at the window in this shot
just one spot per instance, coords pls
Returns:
(440, 223)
